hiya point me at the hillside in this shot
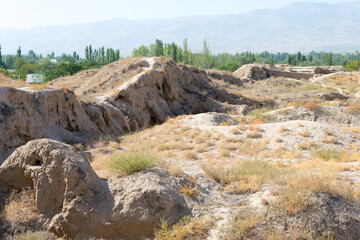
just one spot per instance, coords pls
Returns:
(297, 27)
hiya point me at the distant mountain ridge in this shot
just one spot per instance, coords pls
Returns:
(296, 27)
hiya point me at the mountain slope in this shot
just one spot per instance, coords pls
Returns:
(299, 26)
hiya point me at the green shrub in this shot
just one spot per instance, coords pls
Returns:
(130, 163)
(326, 154)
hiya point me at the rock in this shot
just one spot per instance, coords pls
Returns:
(31, 114)
(75, 203)
(211, 119)
(331, 96)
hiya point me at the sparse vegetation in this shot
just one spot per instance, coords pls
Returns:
(326, 154)
(129, 163)
(247, 176)
(34, 236)
(187, 228)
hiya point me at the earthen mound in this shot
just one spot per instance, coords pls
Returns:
(75, 203)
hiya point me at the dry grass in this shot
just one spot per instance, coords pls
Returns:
(305, 145)
(294, 200)
(252, 148)
(323, 183)
(311, 105)
(189, 155)
(187, 228)
(282, 129)
(279, 148)
(201, 148)
(114, 145)
(328, 139)
(235, 131)
(253, 134)
(355, 130)
(304, 133)
(175, 171)
(247, 176)
(243, 224)
(327, 154)
(21, 207)
(190, 188)
(224, 153)
(277, 140)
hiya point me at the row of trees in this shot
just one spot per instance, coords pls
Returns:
(101, 56)
(51, 66)
(231, 62)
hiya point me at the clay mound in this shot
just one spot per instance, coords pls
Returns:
(343, 77)
(254, 72)
(325, 114)
(75, 203)
(31, 114)
(327, 215)
(125, 96)
(224, 76)
(130, 95)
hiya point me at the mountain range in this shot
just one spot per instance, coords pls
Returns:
(296, 27)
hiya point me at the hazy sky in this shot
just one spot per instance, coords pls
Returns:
(30, 13)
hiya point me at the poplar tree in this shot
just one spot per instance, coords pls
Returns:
(18, 53)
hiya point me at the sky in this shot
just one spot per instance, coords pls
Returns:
(30, 13)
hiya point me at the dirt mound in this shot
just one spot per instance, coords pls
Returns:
(75, 203)
(325, 114)
(224, 75)
(254, 72)
(127, 95)
(31, 114)
(327, 215)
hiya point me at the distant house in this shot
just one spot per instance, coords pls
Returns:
(34, 78)
(53, 60)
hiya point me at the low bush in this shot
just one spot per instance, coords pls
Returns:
(129, 163)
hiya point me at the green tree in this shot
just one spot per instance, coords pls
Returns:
(86, 53)
(159, 49)
(141, 51)
(117, 54)
(18, 52)
(19, 62)
(1, 62)
(206, 56)
(173, 52)
(352, 66)
(185, 51)
(289, 59)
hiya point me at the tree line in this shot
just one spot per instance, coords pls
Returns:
(49, 67)
(18, 65)
(231, 62)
